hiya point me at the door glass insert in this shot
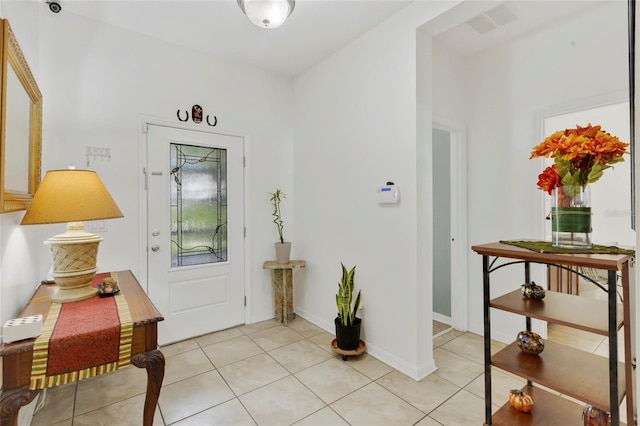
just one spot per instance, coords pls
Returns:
(198, 205)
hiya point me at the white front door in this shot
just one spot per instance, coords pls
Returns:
(195, 231)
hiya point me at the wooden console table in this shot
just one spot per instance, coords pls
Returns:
(283, 287)
(17, 357)
(587, 377)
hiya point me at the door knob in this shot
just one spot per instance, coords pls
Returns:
(155, 247)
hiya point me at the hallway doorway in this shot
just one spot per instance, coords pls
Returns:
(442, 226)
(449, 225)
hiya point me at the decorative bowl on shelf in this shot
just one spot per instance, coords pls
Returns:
(530, 343)
(533, 291)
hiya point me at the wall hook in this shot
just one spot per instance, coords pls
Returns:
(186, 119)
(215, 121)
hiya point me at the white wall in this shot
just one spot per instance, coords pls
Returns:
(96, 81)
(20, 269)
(355, 130)
(508, 89)
(356, 126)
(447, 75)
(449, 87)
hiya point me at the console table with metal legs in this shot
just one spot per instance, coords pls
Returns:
(595, 380)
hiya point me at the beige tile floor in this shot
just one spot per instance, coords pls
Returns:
(269, 374)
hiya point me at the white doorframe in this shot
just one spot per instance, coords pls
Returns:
(459, 248)
(145, 121)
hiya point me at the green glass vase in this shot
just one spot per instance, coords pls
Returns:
(571, 217)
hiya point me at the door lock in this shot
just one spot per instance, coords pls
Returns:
(155, 233)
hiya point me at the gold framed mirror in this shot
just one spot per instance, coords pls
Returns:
(20, 126)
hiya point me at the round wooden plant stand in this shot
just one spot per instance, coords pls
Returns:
(345, 353)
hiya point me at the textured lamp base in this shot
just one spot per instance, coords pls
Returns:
(74, 294)
(75, 286)
(74, 263)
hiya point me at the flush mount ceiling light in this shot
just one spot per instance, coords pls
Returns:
(267, 13)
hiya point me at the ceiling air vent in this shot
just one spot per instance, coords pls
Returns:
(492, 19)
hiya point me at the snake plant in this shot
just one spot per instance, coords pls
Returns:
(347, 306)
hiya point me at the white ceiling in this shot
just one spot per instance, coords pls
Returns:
(451, 28)
(315, 29)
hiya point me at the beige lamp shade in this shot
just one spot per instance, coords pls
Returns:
(70, 196)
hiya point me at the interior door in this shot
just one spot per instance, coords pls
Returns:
(195, 253)
(442, 220)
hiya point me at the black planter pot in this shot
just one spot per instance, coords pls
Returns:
(348, 336)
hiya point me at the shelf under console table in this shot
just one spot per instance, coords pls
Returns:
(599, 381)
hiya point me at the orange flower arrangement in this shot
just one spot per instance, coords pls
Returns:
(581, 156)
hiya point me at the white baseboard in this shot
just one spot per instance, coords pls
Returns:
(441, 318)
(415, 372)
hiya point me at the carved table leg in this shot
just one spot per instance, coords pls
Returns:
(153, 361)
(11, 401)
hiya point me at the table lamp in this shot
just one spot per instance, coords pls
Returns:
(72, 196)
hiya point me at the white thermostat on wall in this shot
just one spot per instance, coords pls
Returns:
(388, 194)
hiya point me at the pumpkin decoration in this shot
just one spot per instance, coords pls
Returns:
(533, 291)
(521, 401)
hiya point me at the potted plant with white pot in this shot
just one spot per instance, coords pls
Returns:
(283, 248)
